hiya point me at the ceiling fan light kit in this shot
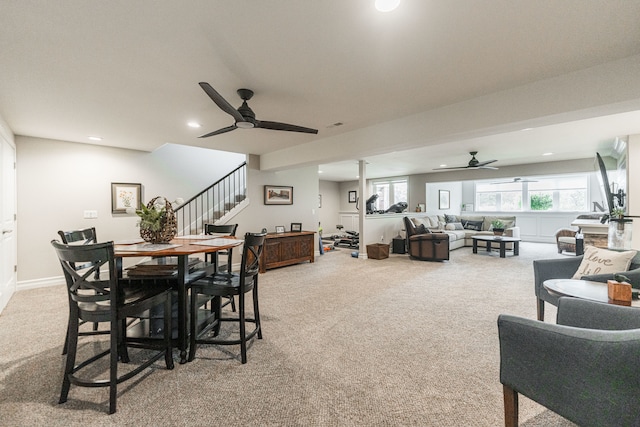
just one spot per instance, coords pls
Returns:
(244, 116)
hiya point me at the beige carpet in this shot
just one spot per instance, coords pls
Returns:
(347, 342)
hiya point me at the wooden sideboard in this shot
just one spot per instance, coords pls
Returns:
(282, 249)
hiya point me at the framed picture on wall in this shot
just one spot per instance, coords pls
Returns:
(125, 196)
(279, 229)
(352, 196)
(296, 226)
(443, 199)
(278, 195)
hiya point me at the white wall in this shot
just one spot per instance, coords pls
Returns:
(304, 209)
(328, 213)
(58, 180)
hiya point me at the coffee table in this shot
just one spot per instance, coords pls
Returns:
(501, 240)
(585, 289)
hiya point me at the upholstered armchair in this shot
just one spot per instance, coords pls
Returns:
(565, 268)
(583, 368)
(566, 240)
(424, 245)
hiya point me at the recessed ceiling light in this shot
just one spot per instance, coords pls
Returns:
(95, 138)
(319, 171)
(387, 5)
(194, 125)
(443, 166)
(547, 154)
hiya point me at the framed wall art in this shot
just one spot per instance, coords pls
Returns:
(443, 199)
(125, 196)
(296, 226)
(353, 196)
(278, 195)
(279, 229)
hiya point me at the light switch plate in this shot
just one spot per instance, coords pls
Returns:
(90, 214)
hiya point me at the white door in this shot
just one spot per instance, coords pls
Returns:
(8, 239)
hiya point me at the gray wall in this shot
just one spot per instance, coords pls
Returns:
(58, 180)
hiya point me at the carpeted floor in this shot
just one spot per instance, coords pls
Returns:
(347, 342)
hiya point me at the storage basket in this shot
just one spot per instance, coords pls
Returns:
(168, 224)
(378, 251)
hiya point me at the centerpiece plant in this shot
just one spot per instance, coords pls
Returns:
(157, 221)
(498, 227)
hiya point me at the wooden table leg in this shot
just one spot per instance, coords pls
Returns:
(516, 248)
(503, 249)
(475, 246)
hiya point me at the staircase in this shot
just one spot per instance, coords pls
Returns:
(213, 203)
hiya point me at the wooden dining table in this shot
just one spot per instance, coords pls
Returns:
(181, 248)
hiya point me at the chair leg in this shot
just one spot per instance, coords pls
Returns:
(540, 310)
(243, 328)
(256, 310)
(115, 339)
(168, 353)
(71, 346)
(510, 406)
(192, 324)
(232, 300)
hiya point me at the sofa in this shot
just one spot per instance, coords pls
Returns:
(461, 228)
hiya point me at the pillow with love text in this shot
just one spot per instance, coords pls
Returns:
(603, 261)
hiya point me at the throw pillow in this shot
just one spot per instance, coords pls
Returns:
(454, 226)
(603, 261)
(421, 229)
(451, 218)
(472, 225)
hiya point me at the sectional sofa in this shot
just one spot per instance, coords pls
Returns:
(460, 228)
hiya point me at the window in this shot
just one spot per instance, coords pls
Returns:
(499, 197)
(565, 193)
(390, 192)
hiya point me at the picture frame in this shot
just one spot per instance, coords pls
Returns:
(125, 195)
(296, 227)
(278, 195)
(353, 196)
(444, 201)
(279, 229)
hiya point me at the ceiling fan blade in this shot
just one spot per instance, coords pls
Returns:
(221, 102)
(484, 163)
(284, 126)
(485, 167)
(452, 168)
(219, 131)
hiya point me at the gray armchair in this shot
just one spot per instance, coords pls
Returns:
(565, 268)
(583, 368)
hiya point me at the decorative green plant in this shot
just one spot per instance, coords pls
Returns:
(151, 218)
(497, 224)
(617, 213)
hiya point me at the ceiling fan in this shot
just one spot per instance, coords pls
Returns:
(244, 116)
(516, 180)
(474, 163)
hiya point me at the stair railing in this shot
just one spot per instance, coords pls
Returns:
(212, 203)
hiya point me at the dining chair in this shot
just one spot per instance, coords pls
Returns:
(85, 236)
(93, 299)
(213, 257)
(224, 284)
(228, 230)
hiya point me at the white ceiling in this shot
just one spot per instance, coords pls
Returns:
(129, 72)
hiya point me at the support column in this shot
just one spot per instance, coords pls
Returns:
(362, 190)
(633, 187)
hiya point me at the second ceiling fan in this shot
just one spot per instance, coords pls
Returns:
(244, 116)
(473, 164)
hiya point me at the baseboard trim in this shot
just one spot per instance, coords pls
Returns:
(39, 283)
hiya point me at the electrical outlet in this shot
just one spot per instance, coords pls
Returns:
(90, 214)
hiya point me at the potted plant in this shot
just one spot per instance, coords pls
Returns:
(498, 227)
